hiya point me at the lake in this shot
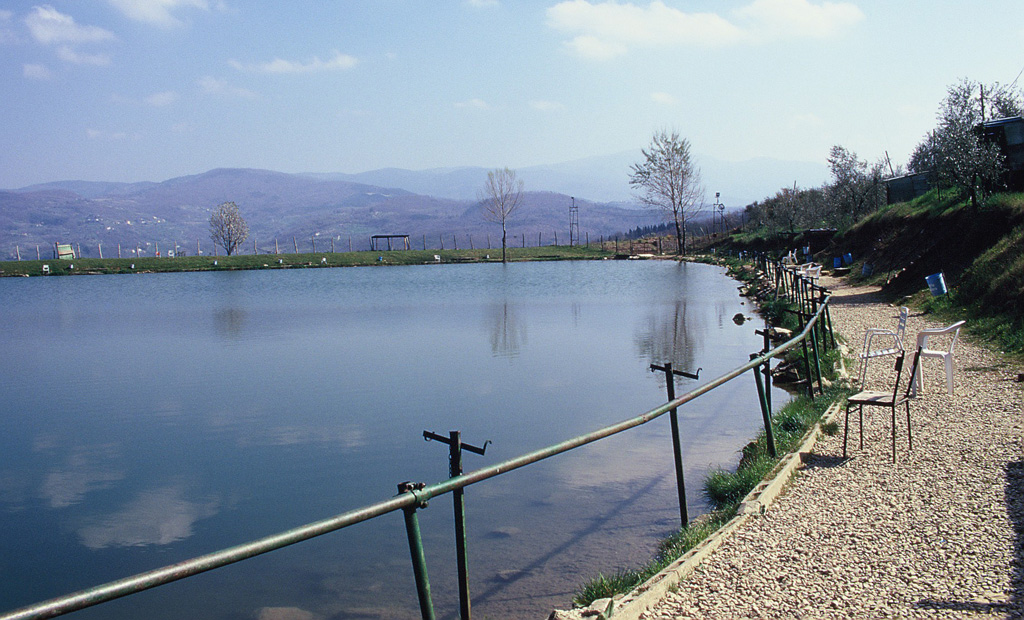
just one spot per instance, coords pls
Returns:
(147, 419)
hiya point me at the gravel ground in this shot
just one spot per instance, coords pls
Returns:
(938, 534)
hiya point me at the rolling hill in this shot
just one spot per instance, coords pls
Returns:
(287, 209)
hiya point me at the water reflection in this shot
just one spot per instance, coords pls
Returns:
(291, 435)
(286, 613)
(508, 334)
(155, 517)
(230, 322)
(85, 470)
(672, 333)
(287, 402)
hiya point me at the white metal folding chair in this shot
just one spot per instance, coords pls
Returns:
(874, 349)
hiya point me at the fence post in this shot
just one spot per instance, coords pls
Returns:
(766, 414)
(419, 560)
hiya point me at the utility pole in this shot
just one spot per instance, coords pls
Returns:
(574, 222)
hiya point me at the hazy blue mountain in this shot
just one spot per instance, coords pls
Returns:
(603, 178)
(88, 189)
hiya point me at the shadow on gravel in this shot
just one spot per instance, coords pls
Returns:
(1013, 604)
(821, 461)
(871, 297)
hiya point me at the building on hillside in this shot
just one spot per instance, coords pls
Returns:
(907, 187)
(1008, 133)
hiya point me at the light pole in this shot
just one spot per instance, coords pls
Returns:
(718, 206)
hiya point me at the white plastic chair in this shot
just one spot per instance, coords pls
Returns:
(868, 351)
(945, 355)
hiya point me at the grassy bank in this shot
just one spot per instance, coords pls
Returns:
(293, 261)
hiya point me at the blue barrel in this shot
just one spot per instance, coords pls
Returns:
(848, 258)
(866, 270)
(936, 284)
(836, 263)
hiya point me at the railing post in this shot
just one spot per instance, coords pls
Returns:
(767, 371)
(817, 360)
(766, 414)
(677, 451)
(455, 448)
(827, 316)
(419, 560)
(459, 503)
(807, 357)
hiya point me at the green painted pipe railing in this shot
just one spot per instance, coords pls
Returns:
(412, 497)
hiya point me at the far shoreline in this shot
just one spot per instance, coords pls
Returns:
(247, 262)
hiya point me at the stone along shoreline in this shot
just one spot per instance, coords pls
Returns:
(938, 534)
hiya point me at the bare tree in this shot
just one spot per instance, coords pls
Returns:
(669, 179)
(502, 195)
(228, 228)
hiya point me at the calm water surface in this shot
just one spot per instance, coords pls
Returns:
(149, 419)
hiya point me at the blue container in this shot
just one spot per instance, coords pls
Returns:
(936, 284)
(848, 258)
(836, 263)
(867, 270)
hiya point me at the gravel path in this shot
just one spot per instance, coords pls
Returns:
(938, 534)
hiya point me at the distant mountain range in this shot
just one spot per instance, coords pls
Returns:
(602, 178)
(289, 210)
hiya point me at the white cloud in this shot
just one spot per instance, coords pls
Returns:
(156, 12)
(37, 72)
(547, 106)
(213, 86)
(594, 48)
(50, 26)
(7, 34)
(159, 100)
(604, 30)
(783, 19)
(806, 120)
(477, 104)
(338, 62)
(117, 136)
(663, 98)
(609, 29)
(69, 54)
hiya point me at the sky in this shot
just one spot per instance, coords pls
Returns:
(147, 90)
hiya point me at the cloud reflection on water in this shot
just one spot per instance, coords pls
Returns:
(155, 517)
(85, 469)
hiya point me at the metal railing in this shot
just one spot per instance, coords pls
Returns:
(414, 496)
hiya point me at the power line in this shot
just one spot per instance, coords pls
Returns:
(1017, 78)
